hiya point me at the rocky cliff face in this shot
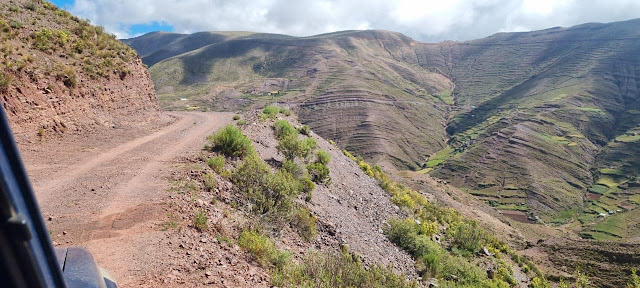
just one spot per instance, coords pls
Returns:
(60, 74)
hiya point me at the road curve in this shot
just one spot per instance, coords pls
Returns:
(103, 198)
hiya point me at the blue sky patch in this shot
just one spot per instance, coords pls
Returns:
(130, 30)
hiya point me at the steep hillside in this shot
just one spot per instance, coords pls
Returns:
(61, 74)
(542, 125)
(545, 117)
(293, 213)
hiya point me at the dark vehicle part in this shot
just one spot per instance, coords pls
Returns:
(27, 257)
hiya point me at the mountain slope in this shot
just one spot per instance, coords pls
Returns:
(61, 74)
(347, 86)
(540, 123)
(536, 111)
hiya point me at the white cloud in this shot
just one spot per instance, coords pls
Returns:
(427, 20)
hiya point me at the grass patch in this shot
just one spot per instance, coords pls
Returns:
(439, 157)
(598, 189)
(627, 138)
(318, 269)
(216, 163)
(200, 220)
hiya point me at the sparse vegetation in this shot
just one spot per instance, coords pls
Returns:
(236, 117)
(200, 220)
(210, 182)
(635, 280)
(304, 223)
(304, 130)
(5, 81)
(317, 269)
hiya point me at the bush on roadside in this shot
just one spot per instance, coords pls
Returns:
(263, 249)
(337, 270)
(210, 182)
(236, 117)
(268, 194)
(231, 142)
(216, 163)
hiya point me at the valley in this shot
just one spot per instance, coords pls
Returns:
(358, 158)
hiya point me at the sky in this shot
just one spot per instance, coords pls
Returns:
(426, 20)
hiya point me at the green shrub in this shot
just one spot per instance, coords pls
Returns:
(635, 280)
(263, 249)
(323, 157)
(319, 172)
(210, 182)
(42, 39)
(5, 81)
(216, 163)
(337, 270)
(292, 168)
(291, 146)
(241, 122)
(236, 117)
(403, 232)
(200, 220)
(13, 8)
(304, 130)
(282, 129)
(231, 142)
(268, 194)
(307, 187)
(270, 111)
(304, 223)
(466, 236)
(30, 5)
(67, 75)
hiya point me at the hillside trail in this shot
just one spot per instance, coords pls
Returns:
(107, 192)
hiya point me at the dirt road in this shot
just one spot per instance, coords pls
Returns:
(106, 192)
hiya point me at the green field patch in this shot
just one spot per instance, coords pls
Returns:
(563, 217)
(598, 189)
(611, 181)
(598, 236)
(571, 144)
(446, 97)
(612, 225)
(591, 109)
(635, 199)
(439, 157)
(611, 171)
(627, 138)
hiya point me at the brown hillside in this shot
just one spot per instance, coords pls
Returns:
(61, 74)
